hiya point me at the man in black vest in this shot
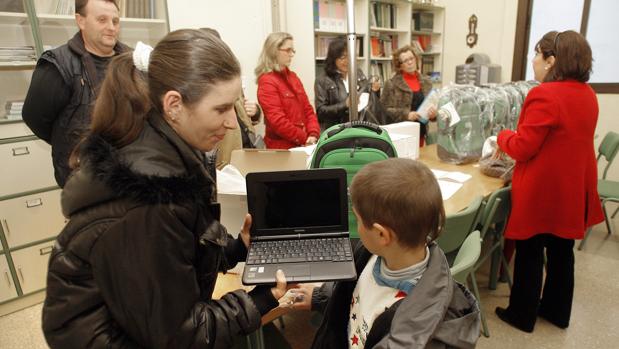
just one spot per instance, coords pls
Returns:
(65, 82)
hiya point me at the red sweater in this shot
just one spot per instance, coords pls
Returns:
(554, 186)
(288, 115)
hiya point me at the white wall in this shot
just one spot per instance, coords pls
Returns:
(496, 29)
(243, 25)
(608, 121)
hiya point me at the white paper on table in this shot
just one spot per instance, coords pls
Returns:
(364, 99)
(455, 176)
(438, 173)
(230, 181)
(448, 189)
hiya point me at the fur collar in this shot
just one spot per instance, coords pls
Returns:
(106, 173)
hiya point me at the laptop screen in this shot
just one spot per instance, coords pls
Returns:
(292, 202)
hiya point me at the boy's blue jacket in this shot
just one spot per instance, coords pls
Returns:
(439, 313)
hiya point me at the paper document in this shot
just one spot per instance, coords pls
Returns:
(230, 181)
(448, 189)
(364, 99)
(451, 111)
(431, 100)
(455, 176)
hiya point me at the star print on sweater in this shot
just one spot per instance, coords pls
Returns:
(375, 292)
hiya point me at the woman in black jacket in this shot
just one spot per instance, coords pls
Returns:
(331, 89)
(137, 263)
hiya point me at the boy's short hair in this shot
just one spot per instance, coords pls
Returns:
(401, 194)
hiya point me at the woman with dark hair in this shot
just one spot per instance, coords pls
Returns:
(406, 90)
(137, 263)
(554, 185)
(331, 89)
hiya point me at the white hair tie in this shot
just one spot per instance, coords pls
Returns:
(141, 56)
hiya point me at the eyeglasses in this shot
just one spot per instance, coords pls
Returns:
(408, 60)
(289, 50)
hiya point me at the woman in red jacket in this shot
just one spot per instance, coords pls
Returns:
(554, 186)
(288, 115)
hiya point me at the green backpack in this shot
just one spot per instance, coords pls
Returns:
(350, 146)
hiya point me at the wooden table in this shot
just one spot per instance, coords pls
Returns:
(479, 184)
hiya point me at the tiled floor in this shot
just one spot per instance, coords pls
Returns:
(595, 313)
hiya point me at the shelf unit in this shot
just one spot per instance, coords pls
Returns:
(383, 25)
(427, 27)
(30, 212)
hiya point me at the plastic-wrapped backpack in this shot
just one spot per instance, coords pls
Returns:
(460, 137)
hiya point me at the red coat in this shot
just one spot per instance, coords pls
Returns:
(554, 186)
(288, 115)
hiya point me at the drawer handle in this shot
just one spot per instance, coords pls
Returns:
(6, 227)
(46, 250)
(34, 203)
(8, 279)
(20, 151)
(21, 275)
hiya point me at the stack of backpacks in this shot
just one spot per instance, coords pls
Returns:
(468, 115)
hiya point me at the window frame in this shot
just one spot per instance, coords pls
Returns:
(521, 43)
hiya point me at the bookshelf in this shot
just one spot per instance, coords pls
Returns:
(427, 26)
(30, 213)
(330, 21)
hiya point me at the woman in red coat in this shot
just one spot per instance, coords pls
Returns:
(288, 115)
(554, 186)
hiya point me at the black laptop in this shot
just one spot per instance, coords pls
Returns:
(299, 225)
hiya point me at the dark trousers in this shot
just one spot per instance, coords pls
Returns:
(556, 302)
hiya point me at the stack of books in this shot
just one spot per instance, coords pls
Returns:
(383, 15)
(17, 54)
(13, 109)
(383, 45)
(330, 15)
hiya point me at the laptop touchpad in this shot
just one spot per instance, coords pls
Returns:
(295, 270)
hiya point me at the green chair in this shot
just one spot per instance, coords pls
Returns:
(457, 229)
(458, 226)
(493, 221)
(607, 190)
(466, 258)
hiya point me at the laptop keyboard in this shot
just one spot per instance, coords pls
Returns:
(304, 250)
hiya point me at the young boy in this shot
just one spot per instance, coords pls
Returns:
(405, 296)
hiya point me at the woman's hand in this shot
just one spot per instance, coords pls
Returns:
(413, 116)
(432, 113)
(301, 297)
(250, 107)
(281, 286)
(311, 140)
(245, 230)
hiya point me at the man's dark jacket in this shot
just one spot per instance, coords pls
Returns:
(79, 74)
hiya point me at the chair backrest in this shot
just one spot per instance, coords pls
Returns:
(467, 257)
(496, 210)
(458, 226)
(608, 148)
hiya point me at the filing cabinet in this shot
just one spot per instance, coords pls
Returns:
(7, 285)
(30, 213)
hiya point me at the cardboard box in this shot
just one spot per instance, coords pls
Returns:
(405, 138)
(262, 160)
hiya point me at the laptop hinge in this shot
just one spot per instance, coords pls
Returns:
(298, 236)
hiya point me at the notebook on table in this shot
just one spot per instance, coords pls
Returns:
(299, 225)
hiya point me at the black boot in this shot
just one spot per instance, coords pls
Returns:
(506, 316)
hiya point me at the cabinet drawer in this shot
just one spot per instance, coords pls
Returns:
(14, 129)
(7, 285)
(26, 166)
(31, 266)
(30, 218)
